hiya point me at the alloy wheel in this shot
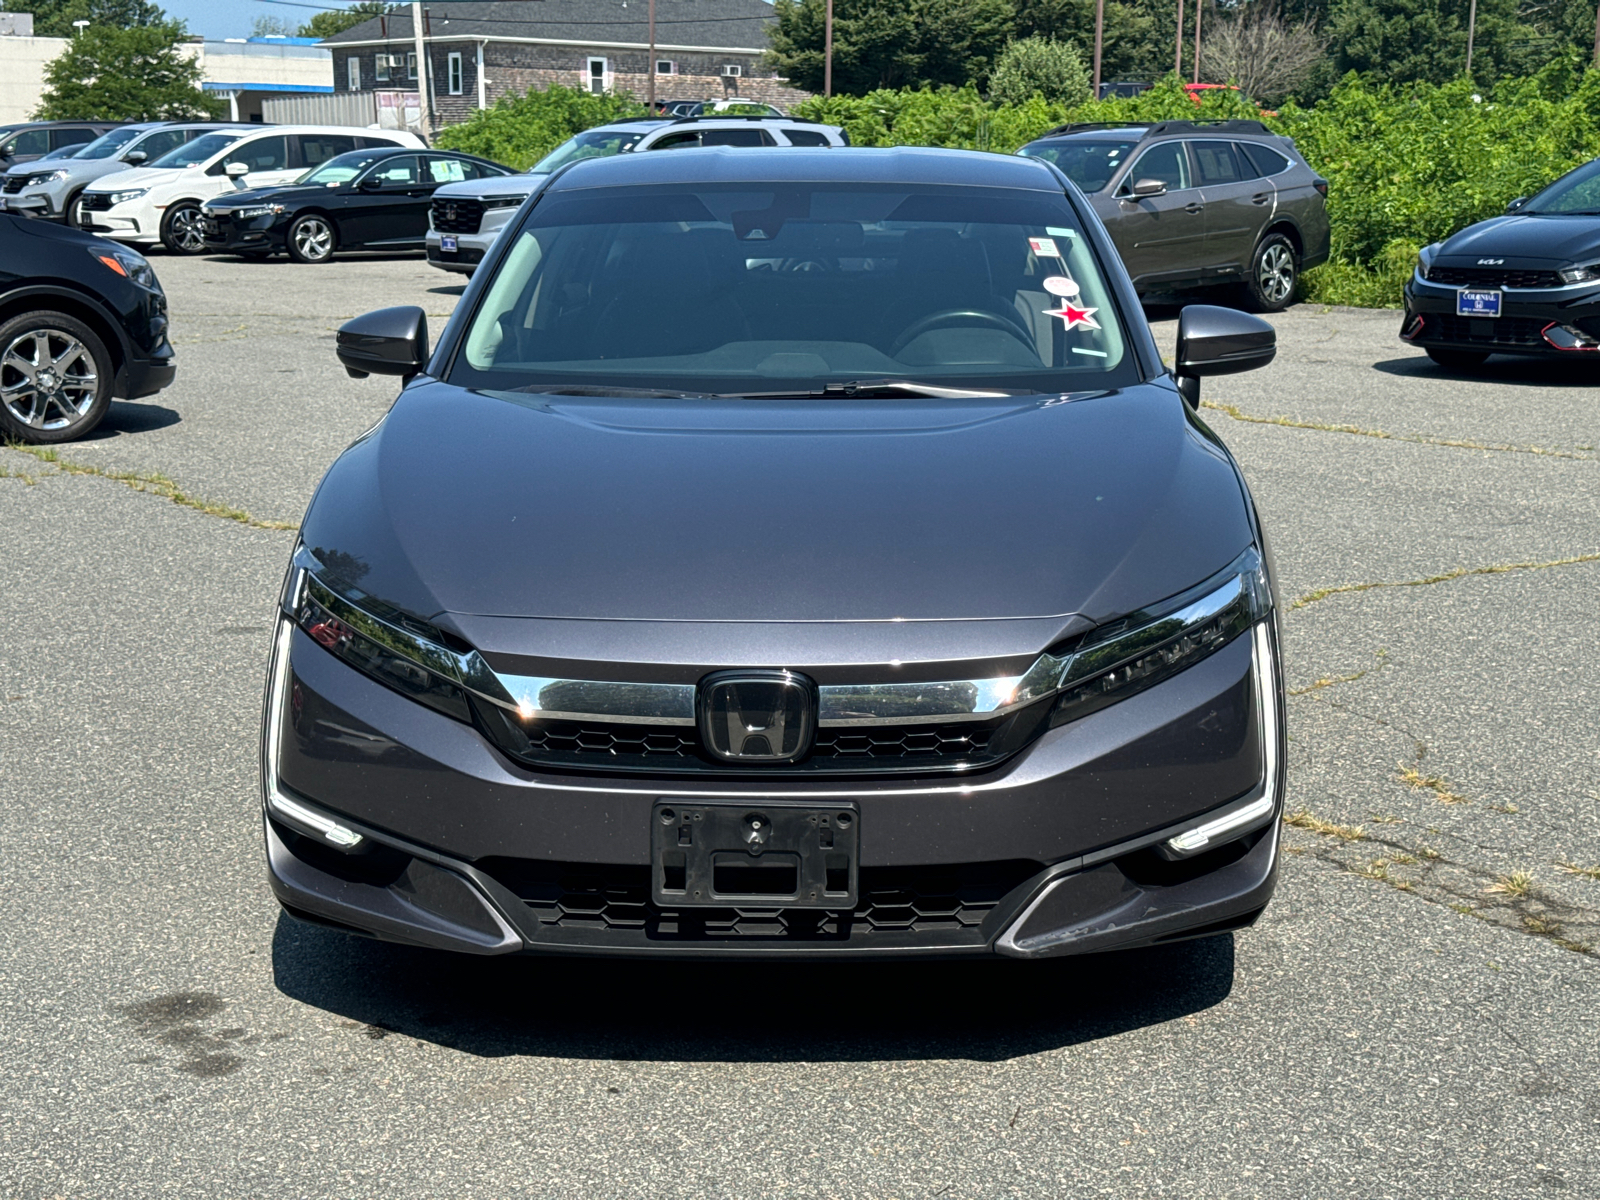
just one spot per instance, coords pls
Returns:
(188, 230)
(48, 379)
(1275, 274)
(313, 238)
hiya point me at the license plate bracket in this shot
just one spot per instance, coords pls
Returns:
(1478, 302)
(805, 855)
(447, 244)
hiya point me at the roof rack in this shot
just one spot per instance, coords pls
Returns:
(1086, 126)
(1155, 128)
(740, 117)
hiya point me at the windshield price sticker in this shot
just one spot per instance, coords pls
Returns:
(1473, 303)
(1044, 247)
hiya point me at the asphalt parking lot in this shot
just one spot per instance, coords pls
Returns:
(1415, 1016)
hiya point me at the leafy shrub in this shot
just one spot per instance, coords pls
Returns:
(1039, 65)
(520, 130)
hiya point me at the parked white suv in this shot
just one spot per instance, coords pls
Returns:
(466, 217)
(161, 201)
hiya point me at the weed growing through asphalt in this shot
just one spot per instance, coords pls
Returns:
(1303, 819)
(1436, 784)
(1516, 885)
(1446, 577)
(1590, 872)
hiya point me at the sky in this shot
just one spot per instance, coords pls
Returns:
(233, 18)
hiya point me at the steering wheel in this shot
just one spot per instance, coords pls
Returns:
(963, 316)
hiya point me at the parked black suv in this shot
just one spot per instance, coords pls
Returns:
(1196, 203)
(81, 320)
(791, 553)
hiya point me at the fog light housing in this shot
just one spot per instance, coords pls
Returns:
(1565, 337)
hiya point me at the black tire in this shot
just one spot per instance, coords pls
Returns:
(72, 215)
(180, 229)
(75, 394)
(1459, 360)
(1274, 275)
(312, 239)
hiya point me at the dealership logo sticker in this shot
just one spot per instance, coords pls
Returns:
(1044, 247)
(1071, 315)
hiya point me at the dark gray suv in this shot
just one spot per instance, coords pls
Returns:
(1196, 203)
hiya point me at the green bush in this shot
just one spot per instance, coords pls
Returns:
(520, 130)
(1043, 66)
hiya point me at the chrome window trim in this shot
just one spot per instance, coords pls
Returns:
(839, 705)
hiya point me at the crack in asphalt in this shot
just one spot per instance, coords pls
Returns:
(151, 482)
(1459, 573)
(1384, 435)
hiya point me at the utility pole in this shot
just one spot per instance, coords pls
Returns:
(1597, 36)
(651, 65)
(1177, 57)
(1099, 34)
(424, 117)
(1199, 5)
(1472, 30)
(827, 51)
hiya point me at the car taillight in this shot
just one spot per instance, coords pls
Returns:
(1322, 187)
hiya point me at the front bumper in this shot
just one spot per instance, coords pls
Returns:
(1561, 322)
(471, 247)
(30, 204)
(1055, 852)
(258, 235)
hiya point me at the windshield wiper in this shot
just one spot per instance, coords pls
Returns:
(885, 389)
(584, 389)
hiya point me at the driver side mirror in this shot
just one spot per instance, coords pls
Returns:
(135, 156)
(1219, 341)
(1513, 205)
(236, 170)
(1149, 187)
(390, 341)
(370, 184)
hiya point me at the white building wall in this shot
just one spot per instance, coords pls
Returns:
(22, 63)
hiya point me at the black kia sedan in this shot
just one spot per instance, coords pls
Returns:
(783, 553)
(81, 320)
(363, 200)
(1524, 283)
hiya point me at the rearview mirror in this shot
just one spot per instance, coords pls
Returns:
(1513, 205)
(1150, 187)
(390, 341)
(135, 156)
(236, 170)
(1219, 341)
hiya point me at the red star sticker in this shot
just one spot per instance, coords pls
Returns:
(1072, 316)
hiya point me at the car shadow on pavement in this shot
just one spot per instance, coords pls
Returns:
(1518, 372)
(698, 1011)
(127, 417)
(457, 290)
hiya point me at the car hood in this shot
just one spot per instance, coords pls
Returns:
(262, 195)
(1525, 240)
(503, 185)
(483, 507)
(134, 177)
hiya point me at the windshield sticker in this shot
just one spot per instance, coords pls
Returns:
(1066, 233)
(1094, 353)
(1060, 285)
(1043, 247)
(1072, 316)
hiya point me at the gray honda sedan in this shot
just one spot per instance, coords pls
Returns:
(1199, 203)
(783, 553)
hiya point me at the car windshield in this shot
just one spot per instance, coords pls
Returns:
(202, 149)
(1090, 165)
(1575, 192)
(755, 289)
(341, 168)
(597, 143)
(108, 144)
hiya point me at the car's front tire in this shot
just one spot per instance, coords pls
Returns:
(182, 231)
(1458, 360)
(55, 378)
(312, 239)
(72, 215)
(1274, 274)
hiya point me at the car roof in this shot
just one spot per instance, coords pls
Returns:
(892, 165)
(1142, 130)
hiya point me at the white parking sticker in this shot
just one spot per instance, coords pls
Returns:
(1044, 247)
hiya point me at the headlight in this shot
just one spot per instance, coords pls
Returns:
(1422, 267)
(124, 197)
(1131, 655)
(503, 201)
(256, 210)
(1586, 274)
(47, 177)
(125, 263)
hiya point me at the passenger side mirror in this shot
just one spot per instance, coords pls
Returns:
(370, 184)
(236, 170)
(390, 341)
(1149, 187)
(135, 157)
(1219, 341)
(1513, 205)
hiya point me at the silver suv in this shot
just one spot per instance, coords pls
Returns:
(52, 190)
(467, 217)
(1197, 203)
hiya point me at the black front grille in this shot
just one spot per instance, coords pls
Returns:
(15, 183)
(610, 904)
(95, 202)
(1518, 332)
(1493, 277)
(676, 749)
(456, 216)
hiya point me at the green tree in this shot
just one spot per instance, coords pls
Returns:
(891, 43)
(136, 74)
(54, 18)
(271, 27)
(1039, 65)
(520, 130)
(1131, 46)
(1425, 41)
(329, 24)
